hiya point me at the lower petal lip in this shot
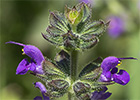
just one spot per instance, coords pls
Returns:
(122, 77)
(23, 67)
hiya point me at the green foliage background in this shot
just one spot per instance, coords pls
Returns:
(24, 20)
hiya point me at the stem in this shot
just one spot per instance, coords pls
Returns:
(73, 65)
(69, 96)
(73, 71)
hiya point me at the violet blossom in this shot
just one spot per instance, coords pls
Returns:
(43, 90)
(101, 95)
(110, 71)
(116, 26)
(35, 64)
(85, 1)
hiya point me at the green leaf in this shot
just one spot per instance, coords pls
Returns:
(92, 71)
(63, 61)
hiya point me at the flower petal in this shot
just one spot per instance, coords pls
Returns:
(121, 78)
(101, 95)
(38, 98)
(116, 26)
(40, 86)
(42, 89)
(109, 63)
(36, 68)
(12, 42)
(34, 53)
(105, 77)
(127, 58)
(114, 70)
(45, 97)
(23, 67)
(85, 1)
(32, 66)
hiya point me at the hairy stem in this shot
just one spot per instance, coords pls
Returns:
(73, 71)
(73, 65)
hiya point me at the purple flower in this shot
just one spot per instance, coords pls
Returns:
(116, 26)
(85, 1)
(110, 71)
(43, 91)
(101, 95)
(35, 64)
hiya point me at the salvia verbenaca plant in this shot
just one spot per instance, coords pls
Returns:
(72, 31)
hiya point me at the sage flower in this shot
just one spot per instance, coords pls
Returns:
(101, 95)
(85, 1)
(36, 56)
(110, 71)
(43, 90)
(116, 27)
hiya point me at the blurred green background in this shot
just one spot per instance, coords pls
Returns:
(24, 20)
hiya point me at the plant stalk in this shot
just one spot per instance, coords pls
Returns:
(73, 71)
(73, 65)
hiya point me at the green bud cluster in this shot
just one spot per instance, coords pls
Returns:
(73, 29)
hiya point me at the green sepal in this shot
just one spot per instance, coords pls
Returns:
(54, 40)
(95, 28)
(62, 59)
(92, 71)
(87, 43)
(82, 90)
(51, 70)
(54, 31)
(78, 14)
(86, 15)
(85, 11)
(57, 88)
(97, 85)
(58, 20)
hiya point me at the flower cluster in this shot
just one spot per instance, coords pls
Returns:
(73, 31)
(94, 77)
